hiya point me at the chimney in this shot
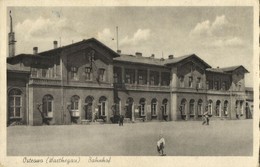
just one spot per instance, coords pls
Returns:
(35, 50)
(139, 54)
(55, 44)
(152, 56)
(118, 51)
(170, 56)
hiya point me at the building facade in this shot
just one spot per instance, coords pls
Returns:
(87, 81)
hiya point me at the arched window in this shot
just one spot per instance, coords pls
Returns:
(142, 107)
(200, 108)
(183, 107)
(192, 109)
(165, 106)
(154, 107)
(226, 108)
(210, 105)
(47, 105)
(75, 103)
(102, 106)
(15, 103)
(218, 108)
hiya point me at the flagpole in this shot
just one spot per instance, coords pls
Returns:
(117, 38)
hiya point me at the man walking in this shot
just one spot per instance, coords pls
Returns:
(160, 146)
(205, 118)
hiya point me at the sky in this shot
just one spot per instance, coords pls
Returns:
(221, 36)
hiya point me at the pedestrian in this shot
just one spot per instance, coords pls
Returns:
(205, 118)
(160, 146)
(121, 120)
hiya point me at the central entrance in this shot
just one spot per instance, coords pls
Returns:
(129, 108)
(89, 108)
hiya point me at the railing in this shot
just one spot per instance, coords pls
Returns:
(44, 81)
(141, 87)
(75, 113)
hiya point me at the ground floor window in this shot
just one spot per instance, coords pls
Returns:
(192, 109)
(183, 107)
(47, 105)
(142, 107)
(102, 106)
(218, 108)
(200, 109)
(226, 108)
(210, 103)
(15, 103)
(154, 107)
(165, 107)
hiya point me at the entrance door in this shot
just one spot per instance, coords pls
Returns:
(129, 108)
(88, 111)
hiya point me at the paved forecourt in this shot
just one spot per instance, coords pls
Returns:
(183, 138)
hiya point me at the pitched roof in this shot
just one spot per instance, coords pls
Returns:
(19, 57)
(139, 59)
(18, 68)
(44, 53)
(179, 59)
(233, 68)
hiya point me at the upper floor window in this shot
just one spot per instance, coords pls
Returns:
(154, 78)
(198, 85)
(207, 84)
(224, 85)
(15, 103)
(74, 73)
(116, 78)
(142, 77)
(181, 78)
(44, 73)
(34, 72)
(216, 85)
(190, 81)
(101, 74)
(129, 76)
(165, 79)
(88, 73)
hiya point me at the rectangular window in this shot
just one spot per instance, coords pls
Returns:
(165, 79)
(198, 85)
(181, 81)
(44, 73)
(142, 77)
(115, 78)
(129, 76)
(216, 85)
(74, 73)
(190, 81)
(152, 80)
(224, 85)
(140, 80)
(88, 74)
(207, 85)
(101, 74)
(34, 72)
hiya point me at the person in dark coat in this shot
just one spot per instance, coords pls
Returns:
(121, 120)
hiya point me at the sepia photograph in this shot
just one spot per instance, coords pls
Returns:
(91, 83)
